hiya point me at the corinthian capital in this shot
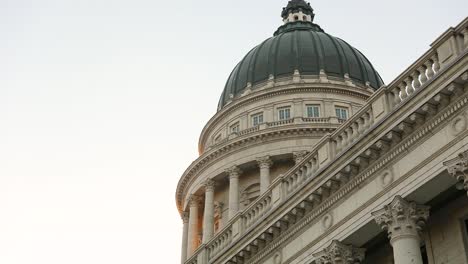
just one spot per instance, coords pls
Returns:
(234, 172)
(339, 253)
(458, 168)
(299, 155)
(195, 200)
(209, 185)
(185, 217)
(401, 218)
(264, 162)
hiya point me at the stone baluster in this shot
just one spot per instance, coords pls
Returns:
(396, 95)
(234, 174)
(402, 86)
(339, 253)
(458, 168)
(409, 86)
(430, 70)
(423, 77)
(416, 82)
(465, 38)
(435, 59)
(208, 216)
(193, 232)
(264, 163)
(185, 220)
(403, 221)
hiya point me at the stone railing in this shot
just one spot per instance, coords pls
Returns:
(323, 120)
(220, 241)
(281, 123)
(255, 210)
(382, 104)
(249, 130)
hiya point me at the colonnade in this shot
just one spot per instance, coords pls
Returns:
(191, 229)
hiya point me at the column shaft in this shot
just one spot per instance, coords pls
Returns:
(233, 173)
(192, 241)
(407, 250)
(208, 217)
(185, 219)
(264, 164)
(233, 196)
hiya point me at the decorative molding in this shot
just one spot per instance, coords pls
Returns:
(386, 178)
(339, 253)
(458, 168)
(278, 258)
(401, 218)
(327, 221)
(458, 125)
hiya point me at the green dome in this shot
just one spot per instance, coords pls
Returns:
(303, 46)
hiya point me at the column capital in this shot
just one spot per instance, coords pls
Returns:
(233, 172)
(339, 253)
(195, 200)
(401, 218)
(458, 168)
(264, 162)
(209, 185)
(185, 217)
(299, 155)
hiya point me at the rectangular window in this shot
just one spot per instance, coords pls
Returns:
(313, 111)
(284, 113)
(257, 119)
(341, 113)
(235, 128)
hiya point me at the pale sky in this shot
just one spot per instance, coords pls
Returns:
(102, 103)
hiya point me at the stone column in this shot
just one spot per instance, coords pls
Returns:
(192, 241)
(339, 253)
(208, 216)
(299, 155)
(185, 219)
(403, 221)
(458, 168)
(264, 164)
(233, 173)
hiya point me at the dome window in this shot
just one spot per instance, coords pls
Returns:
(235, 128)
(304, 18)
(284, 113)
(257, 119)
(296, 18)
(341, 113)
(313, 110)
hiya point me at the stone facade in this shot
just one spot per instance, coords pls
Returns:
(387, 185)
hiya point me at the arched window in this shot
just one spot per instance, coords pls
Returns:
(296, 18)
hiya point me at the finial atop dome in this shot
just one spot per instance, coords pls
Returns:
(298, 10)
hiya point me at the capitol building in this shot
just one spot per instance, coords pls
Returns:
(311, 158)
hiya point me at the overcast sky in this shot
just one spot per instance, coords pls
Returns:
(102, 103)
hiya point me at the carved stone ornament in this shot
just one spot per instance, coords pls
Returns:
(233, 172)
(264, 162)
(458, 168)
(339, 253)
(401, 218)
(299, 155)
